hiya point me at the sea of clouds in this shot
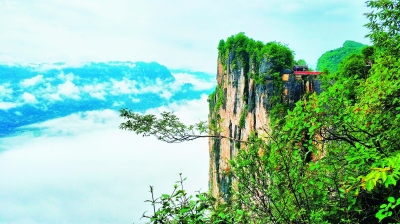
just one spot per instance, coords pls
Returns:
(77, 166)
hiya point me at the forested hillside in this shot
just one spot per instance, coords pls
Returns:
(333, 158)
(331, 59)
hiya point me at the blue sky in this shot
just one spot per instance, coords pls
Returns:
(175, 33)
(78, 167)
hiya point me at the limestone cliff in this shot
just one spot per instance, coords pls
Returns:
(242, 102)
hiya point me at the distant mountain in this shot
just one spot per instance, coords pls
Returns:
(139, 71)
(331, 59)
(33, 93)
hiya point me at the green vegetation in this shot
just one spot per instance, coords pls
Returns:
(301, 62)
(242, 121)
(334, 158)
(352, 71)
(178, 207)
(219, 97)
(216, 101)
(331, 59)
(384, 25)
(247, 53)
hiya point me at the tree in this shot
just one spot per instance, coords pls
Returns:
(168, 128)
(301, 62)
(330, 60)
(384, 25)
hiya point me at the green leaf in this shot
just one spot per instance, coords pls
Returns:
(184, 210)
(240, 212)
(370, 185)
(202, 197)
(384, 176)
(390, 180)
(165, 196)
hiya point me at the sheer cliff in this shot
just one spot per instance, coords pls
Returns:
(253, 80)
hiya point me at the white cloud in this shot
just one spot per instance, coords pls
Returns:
(98, 95)
(32, 81)
(122, 63)
(86, 170)
(29, 98)
(55, 97)
(96, 90)
(198, 84)
(189, 111)
(7, 105)
(5, 91)
(117, 104)
(49, 87)
(166, 94)
(145, 87)
(58, 66)
(134, 100)
(49, 92)
(125, 86)
(78, 123)
(66, 77)
(68, 89)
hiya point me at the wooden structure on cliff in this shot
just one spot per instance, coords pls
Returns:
(297, 82)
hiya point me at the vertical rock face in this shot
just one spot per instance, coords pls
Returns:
(241, 105)
(244, 109)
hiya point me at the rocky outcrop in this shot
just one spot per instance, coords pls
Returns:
(241, 105)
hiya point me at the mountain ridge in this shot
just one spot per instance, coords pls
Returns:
(330, 59)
